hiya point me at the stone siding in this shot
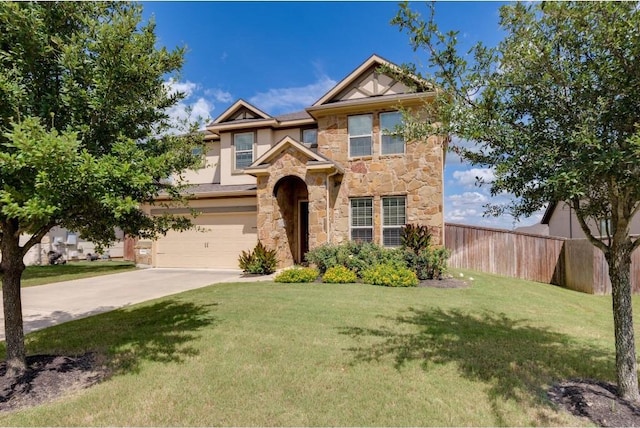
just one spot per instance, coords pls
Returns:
(278, 216)
(417, 174)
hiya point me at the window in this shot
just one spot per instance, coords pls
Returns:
(393, 218)
(310, 136)
(362, 219)
(391, 141)
(243, 144)
(360, 131)
(197, 151)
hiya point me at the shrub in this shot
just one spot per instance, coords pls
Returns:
(258, 261)
(415, 237)
(430, 263)
(355, 256)
(438, 262)
(339, 275)
(390, 275)
(297, 274)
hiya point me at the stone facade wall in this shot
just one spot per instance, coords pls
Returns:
(417, 174)
(278, 217)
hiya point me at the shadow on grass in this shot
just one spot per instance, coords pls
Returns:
(516, 360)
(159, 332)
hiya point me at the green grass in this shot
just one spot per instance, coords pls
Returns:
(271, 354)
(40, 275)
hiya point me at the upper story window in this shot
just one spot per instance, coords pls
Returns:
(362, 219)
(243, 146)
(391, 141)
(393, 218)
(360, 135)
(310, 136)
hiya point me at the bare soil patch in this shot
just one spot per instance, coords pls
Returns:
(595, 401)
(49, 377)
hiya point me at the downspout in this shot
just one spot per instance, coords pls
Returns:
(328, 210)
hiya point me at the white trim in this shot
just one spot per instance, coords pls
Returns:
(352, 227)
(382, 219)
(236, 151)
(370, 135)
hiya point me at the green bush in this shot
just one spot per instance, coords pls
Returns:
(430, 263)
(355, 256)
(339, 275)
(438, 262)
(415, 237)
(297, 274)
(258, 261)
(390, 275)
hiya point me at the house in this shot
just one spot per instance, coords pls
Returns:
(328, 174)
(562, 221)
(70, 245)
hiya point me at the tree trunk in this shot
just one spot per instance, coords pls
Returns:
(12, 267)
(619, 260)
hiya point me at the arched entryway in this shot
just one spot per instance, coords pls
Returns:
(292, 196)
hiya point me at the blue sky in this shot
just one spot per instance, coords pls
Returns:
(283, 56)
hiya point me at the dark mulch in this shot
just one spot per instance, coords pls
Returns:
(595, 401)
(47, 378)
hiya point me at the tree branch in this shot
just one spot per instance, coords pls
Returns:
(36, 237)
(575, 203)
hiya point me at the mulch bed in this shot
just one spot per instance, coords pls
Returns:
(47, 378)
(595, 401)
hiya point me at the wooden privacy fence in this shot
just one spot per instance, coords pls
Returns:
(570, 263)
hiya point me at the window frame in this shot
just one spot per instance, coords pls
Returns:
(303, 130)
(350, 136)
(396, 225)
(392, 135)
(236, 151)
(352, 217)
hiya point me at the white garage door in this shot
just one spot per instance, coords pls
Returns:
(216, 243)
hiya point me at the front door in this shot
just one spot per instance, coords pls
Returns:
(303, 239)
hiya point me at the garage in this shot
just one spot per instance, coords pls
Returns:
(215, 243)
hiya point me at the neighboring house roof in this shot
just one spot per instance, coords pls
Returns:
(548, 213)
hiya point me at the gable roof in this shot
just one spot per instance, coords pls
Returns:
(316, 160)
(365, 81)
(241, 110)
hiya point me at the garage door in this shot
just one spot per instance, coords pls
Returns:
(216, 243)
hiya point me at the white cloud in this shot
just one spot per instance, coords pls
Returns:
(290, 99)
(192, 108)
(219, 95)
(469, 178)
(467, 198)
(187, 87)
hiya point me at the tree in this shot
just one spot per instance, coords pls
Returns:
(554, 109)
(83, 124)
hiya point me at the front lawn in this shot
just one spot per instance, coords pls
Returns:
(40, 275)
(269, 354)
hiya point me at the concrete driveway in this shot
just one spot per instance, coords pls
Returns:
(51, 304)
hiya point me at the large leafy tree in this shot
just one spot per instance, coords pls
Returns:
(554, 109)
(84, 138)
